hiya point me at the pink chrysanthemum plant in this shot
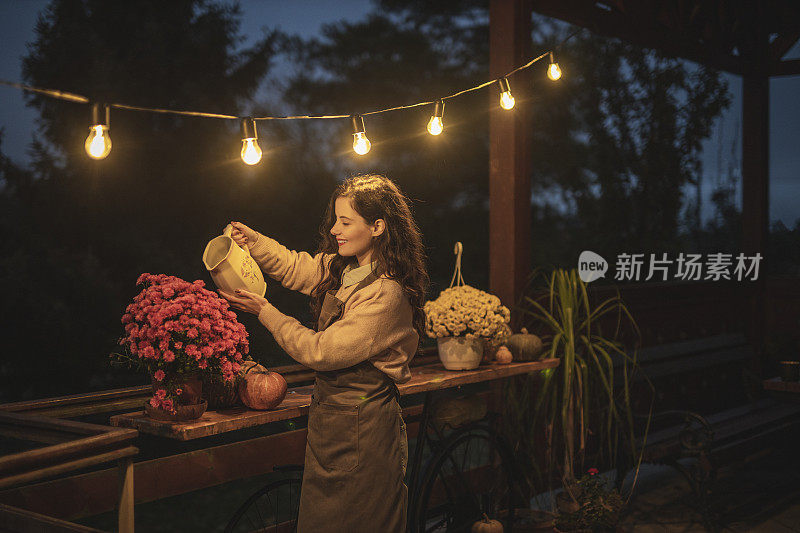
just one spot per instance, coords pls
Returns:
(174, 327)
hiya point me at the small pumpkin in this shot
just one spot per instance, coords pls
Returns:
(525, 346)
(503, 355)
(487, 525)
(262, 389)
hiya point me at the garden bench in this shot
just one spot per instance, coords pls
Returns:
(708, 430)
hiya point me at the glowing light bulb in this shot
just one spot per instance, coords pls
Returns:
(98, 143)
(251, 151)
(553, 71)
(435, 124)
(361, 144)
(506, 99)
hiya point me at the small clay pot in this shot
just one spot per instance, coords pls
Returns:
(183, 413)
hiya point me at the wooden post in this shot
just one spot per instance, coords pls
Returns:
(126, 502)
(509, 151)
(755, 174)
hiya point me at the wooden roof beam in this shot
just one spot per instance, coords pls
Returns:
(615, 24)
(789, 67)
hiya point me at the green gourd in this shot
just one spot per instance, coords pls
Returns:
(525, 346)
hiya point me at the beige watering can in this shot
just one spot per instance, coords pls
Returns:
(231, 266)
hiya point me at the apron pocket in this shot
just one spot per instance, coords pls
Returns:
(333, 435)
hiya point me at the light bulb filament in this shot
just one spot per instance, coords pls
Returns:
(251, 151)
(98, 143)
(435, 125)
(507, 100)
(361, 144)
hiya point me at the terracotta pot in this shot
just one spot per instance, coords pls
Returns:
(191, 386)
(182, 412)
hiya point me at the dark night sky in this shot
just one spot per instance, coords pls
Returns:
(304, 17)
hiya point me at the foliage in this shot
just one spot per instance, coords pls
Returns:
(77, 231)
(599, 505)
(578, 400)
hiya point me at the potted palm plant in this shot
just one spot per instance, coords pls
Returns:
(577, 400)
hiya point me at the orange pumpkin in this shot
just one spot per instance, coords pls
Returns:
(487, 525)
(503, 355)
(262, 389)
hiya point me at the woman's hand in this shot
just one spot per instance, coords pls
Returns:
(242, 235)
(245, 300)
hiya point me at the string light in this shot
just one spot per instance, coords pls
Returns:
(98, 143)
(553, 71)
(506, 98)
(251, 151)
(435, 125)
(361, 144)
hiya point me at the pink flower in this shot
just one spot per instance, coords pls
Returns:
(161, 394)
(192, 333)
(178, 345)
(154, 402)
(169, 356)
(167, 404)
(158, 374)
(593, 471)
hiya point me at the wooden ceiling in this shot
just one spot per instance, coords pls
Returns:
(744, 37)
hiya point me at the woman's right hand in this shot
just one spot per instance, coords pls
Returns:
(243, 235)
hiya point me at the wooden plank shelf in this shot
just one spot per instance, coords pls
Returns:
(423, 378)
(776, 384)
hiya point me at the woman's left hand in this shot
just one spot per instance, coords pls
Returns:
(245, 300)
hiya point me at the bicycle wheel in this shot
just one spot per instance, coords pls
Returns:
(272, 508)
(469, 476)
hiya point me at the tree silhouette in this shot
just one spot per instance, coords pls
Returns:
(86, 229)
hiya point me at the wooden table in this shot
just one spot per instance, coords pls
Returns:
(423, 379)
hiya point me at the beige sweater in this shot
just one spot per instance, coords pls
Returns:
(376, 324)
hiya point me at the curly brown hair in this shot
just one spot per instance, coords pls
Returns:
(398, 251)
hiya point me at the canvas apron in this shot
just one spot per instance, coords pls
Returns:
(357, 447)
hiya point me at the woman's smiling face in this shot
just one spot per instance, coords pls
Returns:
(352, 232)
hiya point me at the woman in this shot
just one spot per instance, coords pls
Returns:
(367, 285)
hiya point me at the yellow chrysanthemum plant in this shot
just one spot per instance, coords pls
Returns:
(466, 311)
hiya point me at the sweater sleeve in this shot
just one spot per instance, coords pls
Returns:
(298, 271)
(377, 317)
